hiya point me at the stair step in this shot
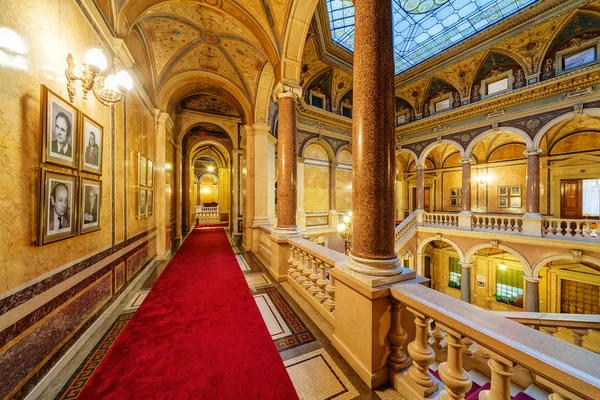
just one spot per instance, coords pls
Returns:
(434, 366)
(537, 392)
(475, 395)
(478, 378)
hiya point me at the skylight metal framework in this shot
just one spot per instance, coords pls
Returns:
(428, 28)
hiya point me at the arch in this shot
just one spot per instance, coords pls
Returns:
(264, 93)
(512, 56)
(535, 272)
(430, 146)
(409, 151)
(519, 132)
(323, 143)
(343, 148)
(200, 147)
(519, 256)
(214, 178)
(451, 242)
(546, 127)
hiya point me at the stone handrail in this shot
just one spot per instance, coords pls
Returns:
(497, 223)
(206, 210)
(264, 243)
(573, 372)
(440, 219)
(308, 272)
(405, 229)
(572, 229)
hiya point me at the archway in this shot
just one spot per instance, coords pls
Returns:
(440, 259)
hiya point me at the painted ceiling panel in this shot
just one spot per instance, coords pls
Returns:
(247, 59)
(425, 28)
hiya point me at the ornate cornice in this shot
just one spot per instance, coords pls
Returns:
(323, 116)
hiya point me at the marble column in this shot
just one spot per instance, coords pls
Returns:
(286, 97)
(178, 200)
(198, 194)
(532, 293)
(420, 200)
(373, 141)
(532, 209)
(465, 281)
(466, 185)
(164, 127)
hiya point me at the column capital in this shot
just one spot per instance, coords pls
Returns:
(300, 159)
(532, 152)
(247, 130)
(418, 166)
(283, 90)
(163, 118)
(532, 279)
(261, 129)
(465, 264)
(466, 160)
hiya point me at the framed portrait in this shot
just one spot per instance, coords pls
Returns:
(502, 202)
(58, 207)
(59, 130)
(143, 164)
(515, 202)
(149, 202)
(460, 201)
(454, 202)
(90, 205)
(150, 177)
(453, 192)
(92, 140)
(515, 190)
(503, 190)
(142, 203)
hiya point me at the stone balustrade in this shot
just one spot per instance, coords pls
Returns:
(505, 344)
(497, 223)
(405, 229)
(309, 273)
(264, 244)
(207, 215)
(572, 229)
(440, 219)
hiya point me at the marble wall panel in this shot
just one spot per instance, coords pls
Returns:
(317, 220)
(136, 261)
(343, 189)
(316, 188)
(30, 350)
(508, 175)
(119, 276)
(450, 180)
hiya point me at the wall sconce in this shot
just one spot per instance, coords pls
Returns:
(108, 90)
(482, 177)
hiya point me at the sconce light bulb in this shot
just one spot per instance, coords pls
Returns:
(341, 227)
(124, 80)
(211, 168)
(95, 59)
(110, 83)
(349, 213)
(346, 219)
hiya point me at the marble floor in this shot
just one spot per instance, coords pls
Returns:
(300, 334)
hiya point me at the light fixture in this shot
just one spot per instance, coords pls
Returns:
(502, 266)
(345, 230)
(482, 177)
(108, 90)
(211, 168)
(346, 218)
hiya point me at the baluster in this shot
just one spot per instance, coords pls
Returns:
(456, 380)
(438, 336)
(470, 347)
(329, 304)
(322, 283)
(578, 228)
(314, 277)
(293, 271)
(307, 271)
(501, 371)
(397, 360)
(587, 231)
(300, 269)
(422, 357)
(578, 336)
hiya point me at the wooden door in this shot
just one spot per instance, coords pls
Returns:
(571, 198)
(427, 200)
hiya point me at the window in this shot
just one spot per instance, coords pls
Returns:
(580, 58)
(316, 101)
(591, 197)
(401, 119)
(347, 111)
(455, 272)
(497, 86)
(509, 287)
(442, 105)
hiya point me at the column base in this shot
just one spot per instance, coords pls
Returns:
(367, 266)
(532, 215)
(285, 232)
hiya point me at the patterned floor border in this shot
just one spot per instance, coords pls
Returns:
(301, 335)
(76, 383)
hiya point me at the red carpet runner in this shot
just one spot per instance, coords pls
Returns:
(198, 335)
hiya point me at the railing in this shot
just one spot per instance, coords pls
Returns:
(573, 229)
(440, 219)
(207, 215)
(406, 227)
(572, 327)
(570, 372)
(497, 223)
(207, 210)
(309, 266)
(264, 243)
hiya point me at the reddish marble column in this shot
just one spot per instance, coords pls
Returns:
(466, 185)
(532, 209)
(373, 141)
(420, 200)
(286, 164)
(532, 293)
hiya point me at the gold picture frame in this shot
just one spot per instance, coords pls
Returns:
(90, 205)
(60, 129)
(515, 202)
(503, 190)
(150, 176)
(92, 141)
(58, 207)
(141, 203)
(149, 202)
(142, 168)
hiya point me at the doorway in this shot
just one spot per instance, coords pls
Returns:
(571, 198)
(426, 200)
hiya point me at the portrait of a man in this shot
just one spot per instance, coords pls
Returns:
(59, 211)
(91, 158)
(61, 144)
(90, 205)
(142, 203)
(90, 213)
(60, 130)
(149, 195)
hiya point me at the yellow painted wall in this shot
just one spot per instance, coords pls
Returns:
(343, 189)
(316, 188)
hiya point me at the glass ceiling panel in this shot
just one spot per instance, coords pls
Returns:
(425, 28)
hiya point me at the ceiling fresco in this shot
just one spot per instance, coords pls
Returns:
(210, 104)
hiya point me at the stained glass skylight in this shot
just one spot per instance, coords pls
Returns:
(428, 27)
